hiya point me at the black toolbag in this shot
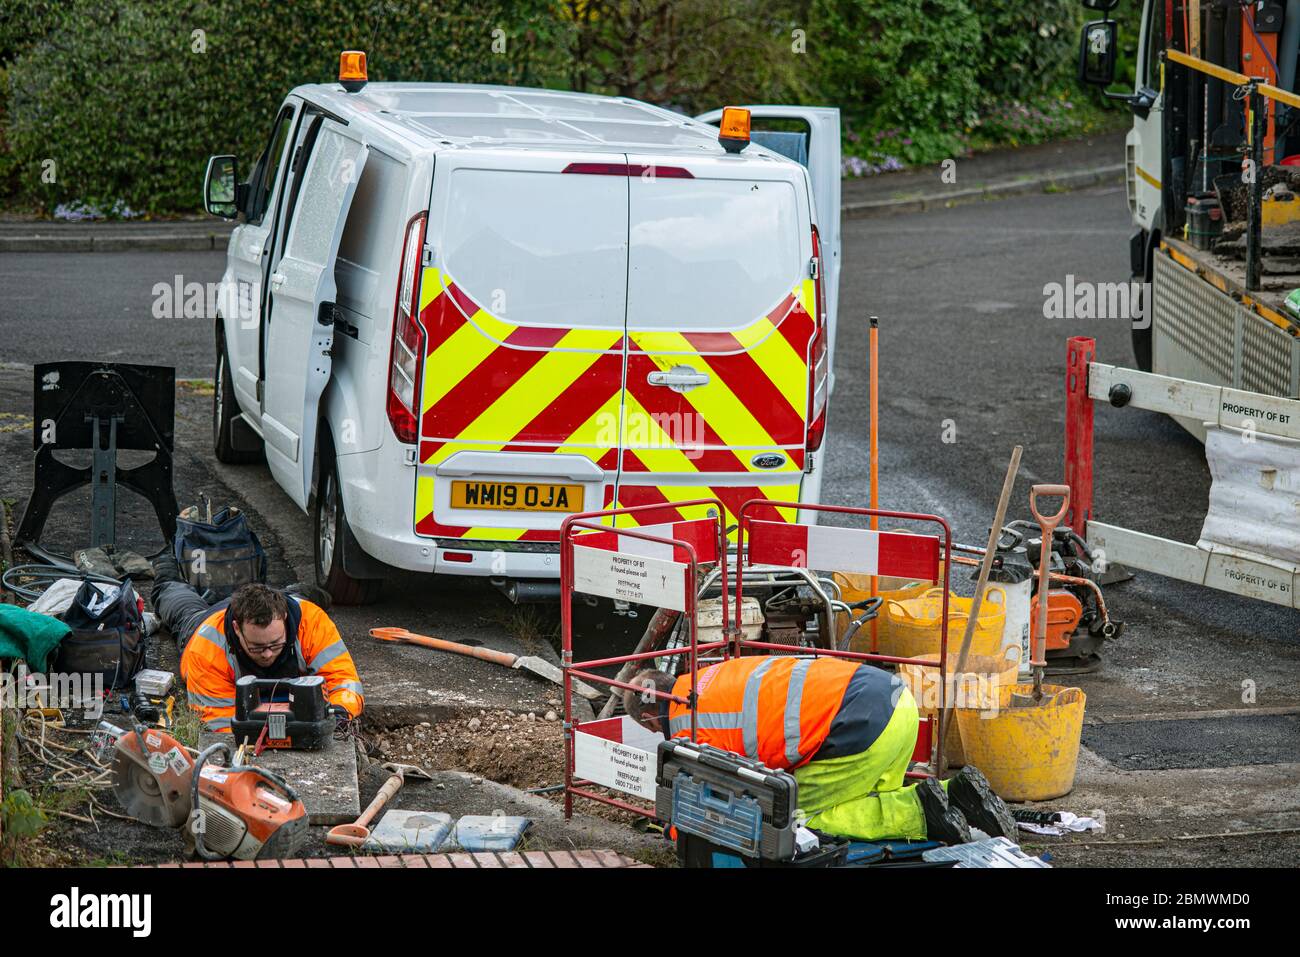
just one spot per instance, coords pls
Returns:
(107, 636)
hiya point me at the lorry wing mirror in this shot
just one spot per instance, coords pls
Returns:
(1097, 53)
(220, 192)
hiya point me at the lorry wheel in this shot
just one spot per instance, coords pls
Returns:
(1142, 348)
(225, 410)
(1142, 337)
(329, 525)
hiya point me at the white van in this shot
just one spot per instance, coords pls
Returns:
(457, 314)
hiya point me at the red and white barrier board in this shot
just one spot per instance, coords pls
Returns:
(863, 551)
(618, 753)
(700, 533)
(635, 578)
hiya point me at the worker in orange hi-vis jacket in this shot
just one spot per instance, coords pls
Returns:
(269, 634)
(845, 730)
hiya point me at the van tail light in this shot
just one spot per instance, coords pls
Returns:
(409, 339)
(817, 358)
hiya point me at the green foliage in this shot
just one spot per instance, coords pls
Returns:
(116, 104)
(21, 817)
(904, 70)
(1047, 117)
(185, 725)
(1024, 46)
(128, 98)
(693, 55)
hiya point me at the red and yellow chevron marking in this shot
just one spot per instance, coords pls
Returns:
(732, 497)
(490, 385)
(757, 394)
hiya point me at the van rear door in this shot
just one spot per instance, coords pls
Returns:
(522, 308)
(720, 331)
(817, 146)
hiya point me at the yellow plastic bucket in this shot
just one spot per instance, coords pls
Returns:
(855, 588)
(977, 690)
(1027, 753)
(910, 628)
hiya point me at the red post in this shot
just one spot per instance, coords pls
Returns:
(1080, 351)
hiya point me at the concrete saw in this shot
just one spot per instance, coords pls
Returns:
(241, 812)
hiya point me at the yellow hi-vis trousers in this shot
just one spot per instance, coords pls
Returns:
(862, 796)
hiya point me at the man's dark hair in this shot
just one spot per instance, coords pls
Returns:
(257, 604)
(641, 707)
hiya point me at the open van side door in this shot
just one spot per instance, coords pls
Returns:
(820, 153)
(300, 308)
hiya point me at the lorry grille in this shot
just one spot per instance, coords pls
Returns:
(1202, 334)
(1194, 323)
(1266, 357)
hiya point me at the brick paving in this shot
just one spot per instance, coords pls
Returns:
(460, 860)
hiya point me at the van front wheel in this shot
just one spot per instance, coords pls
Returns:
(330, 527)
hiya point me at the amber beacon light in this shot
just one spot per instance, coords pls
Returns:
(733, 131)
(352, 70)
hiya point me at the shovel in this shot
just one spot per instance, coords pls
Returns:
(537, 666)
(355, 834)
(1048, 523)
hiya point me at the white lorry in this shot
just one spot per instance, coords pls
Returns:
(1206, 73)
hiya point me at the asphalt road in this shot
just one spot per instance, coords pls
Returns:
(103, 306)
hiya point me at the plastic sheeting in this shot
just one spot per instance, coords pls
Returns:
(1255, 497)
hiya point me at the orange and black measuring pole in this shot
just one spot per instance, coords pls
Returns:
(875, 456)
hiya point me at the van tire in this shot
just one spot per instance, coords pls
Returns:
(225, 412)
(329, 524)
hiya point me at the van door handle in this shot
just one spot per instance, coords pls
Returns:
(678, 378)
(254, 249)
(277, 279)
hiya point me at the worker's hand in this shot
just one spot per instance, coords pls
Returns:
(340, 712)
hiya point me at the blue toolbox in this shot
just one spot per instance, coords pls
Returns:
(732, 811)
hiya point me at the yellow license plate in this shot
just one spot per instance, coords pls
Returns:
(517, 496)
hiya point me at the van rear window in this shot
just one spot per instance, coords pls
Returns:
(710, 253)
(539, 249)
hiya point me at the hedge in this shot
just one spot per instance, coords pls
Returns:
(116, 104)
(128, 102)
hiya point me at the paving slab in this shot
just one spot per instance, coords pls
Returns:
(326, 780)
(459, 794)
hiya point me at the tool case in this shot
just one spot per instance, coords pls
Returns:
(695, 851)
(292, 711)
(732, 802)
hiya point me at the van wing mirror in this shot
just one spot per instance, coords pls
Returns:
(1097, 53)
(220, 191)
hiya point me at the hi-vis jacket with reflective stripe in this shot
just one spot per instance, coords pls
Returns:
(210, 667)
(786, 710)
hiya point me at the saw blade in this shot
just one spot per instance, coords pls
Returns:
(139, 793)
